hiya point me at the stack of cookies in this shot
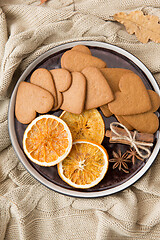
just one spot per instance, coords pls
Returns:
(134, 105)
(84, 82)
(78, 85)
(89, 87)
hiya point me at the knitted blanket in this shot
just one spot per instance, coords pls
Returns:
(29, 210)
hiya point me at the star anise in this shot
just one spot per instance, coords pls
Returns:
(120, 161)
(133, 155)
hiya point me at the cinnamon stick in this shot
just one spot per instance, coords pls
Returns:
(142, 137)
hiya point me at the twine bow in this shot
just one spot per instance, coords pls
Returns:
(132, 140)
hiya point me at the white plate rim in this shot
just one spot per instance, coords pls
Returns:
(20, 153)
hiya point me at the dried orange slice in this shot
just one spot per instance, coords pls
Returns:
(85, 166)
(87, 125)
(47, 140)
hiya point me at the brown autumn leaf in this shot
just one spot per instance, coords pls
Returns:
(145, 27)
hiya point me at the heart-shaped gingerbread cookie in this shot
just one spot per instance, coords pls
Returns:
(81, 48)
(105, 110)
(43, 78)
(113, 76)
(76, 61)
(98, 90)
(74, 97)
(62, 79)
(124, 122)
(155, 100)
(31, 99)
(143, 122)
(147, 122)
(133, 97)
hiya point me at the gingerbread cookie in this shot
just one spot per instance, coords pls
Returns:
(31, 99)
(59, 101)
(105, 110)
(141, 121)
(81, 48)
(155, 100)
(74, 97)
(124, 122)
(146, 122)
(113, 76)
(98, 91)
(62, 80)
(132, 98)
(43, 78)
(76, 61)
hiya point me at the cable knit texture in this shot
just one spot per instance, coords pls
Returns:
(29, 210)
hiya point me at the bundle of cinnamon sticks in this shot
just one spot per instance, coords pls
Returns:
(142, 137)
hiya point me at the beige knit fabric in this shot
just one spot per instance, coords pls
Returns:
(29, 210)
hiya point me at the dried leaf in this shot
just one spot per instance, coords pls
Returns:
(43, 1)
(145, 27)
